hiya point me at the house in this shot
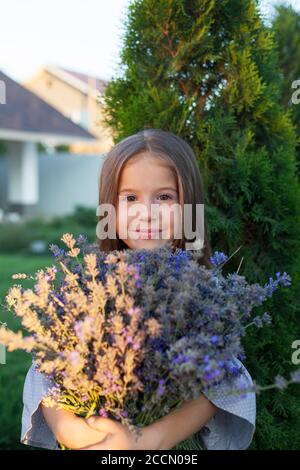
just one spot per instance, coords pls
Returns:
(31, 183)
(79, 98)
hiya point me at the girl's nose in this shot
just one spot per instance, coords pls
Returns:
(147, 207)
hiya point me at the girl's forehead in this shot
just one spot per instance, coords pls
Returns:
(148, 158)
(144, 170)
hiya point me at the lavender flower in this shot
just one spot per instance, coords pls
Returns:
(295, 376)
(162, 388)
(280, 382)
(81, 239)
(218, 259)
(266, 318)
(284, 280)
(258, 322)
(130, 333)
(102, 412)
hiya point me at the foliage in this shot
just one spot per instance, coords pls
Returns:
(208, 71)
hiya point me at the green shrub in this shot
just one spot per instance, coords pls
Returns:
(12, 374)
(14, 237)
(208, 71)
(17, 237)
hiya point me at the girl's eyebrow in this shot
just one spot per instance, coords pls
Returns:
(159, 189)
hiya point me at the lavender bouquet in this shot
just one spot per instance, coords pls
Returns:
(131, 335)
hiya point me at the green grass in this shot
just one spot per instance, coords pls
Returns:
(12, 374)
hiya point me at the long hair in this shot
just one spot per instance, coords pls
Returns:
(181, 159)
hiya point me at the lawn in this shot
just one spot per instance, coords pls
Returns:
(12, 374)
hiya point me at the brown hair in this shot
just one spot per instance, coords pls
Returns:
(181, 158)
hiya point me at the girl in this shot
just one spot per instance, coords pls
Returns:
(150, 167)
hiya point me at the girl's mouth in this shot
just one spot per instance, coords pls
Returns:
(147, 233)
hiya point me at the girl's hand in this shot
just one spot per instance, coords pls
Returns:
(118, 436)
(71, 430)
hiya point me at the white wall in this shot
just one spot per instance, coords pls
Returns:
(67, 180)
(64, 181)
(3, 180)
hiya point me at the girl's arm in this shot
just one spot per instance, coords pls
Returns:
(69, 429)
(164, 433)
(181, 423)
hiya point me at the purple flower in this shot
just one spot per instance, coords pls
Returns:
(241, 356)
(233, 369)
(136, 345)
(102, 412)
(161, 388)
(218, 258)
(280, 382)
(258, 322)
(59, 297)
(74, 358)
(284, 279)
(267, 318)
(243, 387)
(77, 268)
(133, 310)
(78, 330)
(55, 249)
(295, 376)
(57, 252)
(181, 359)
(214, 339)
(81, 239)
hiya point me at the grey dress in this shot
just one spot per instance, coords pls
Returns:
(231, 428)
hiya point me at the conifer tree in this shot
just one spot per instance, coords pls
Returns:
(286, 25)
(207, 70)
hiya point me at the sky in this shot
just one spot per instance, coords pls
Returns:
(82, 35)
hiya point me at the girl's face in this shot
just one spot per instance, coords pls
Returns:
(146, 180)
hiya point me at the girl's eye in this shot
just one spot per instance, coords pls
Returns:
(131, 199)
(167, 197)
(125, 198)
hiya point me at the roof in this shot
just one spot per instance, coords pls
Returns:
(99, 83)
(25, 116)
(80, 81)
